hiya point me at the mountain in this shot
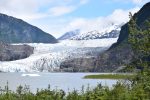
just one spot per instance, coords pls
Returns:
(109, 32)
(69, 35)
(14, 52)
(119, 54)
(13, 30)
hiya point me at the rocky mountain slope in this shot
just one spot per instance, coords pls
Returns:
(13, 30)
(118, 55)
(14, 52)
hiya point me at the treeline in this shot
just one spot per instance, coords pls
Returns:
(135, 89)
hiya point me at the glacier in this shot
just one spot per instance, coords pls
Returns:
(48, 57)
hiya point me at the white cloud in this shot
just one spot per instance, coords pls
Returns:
(37, 12)
(82, 2)
(140, 2)
(65, 9)
(61, 10)
(31, 9)
(61, 26)
(119, 16)
(24, 9)
(136, 2)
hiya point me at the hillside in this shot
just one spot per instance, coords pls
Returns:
(13, 30)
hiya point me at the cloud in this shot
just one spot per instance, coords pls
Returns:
(82, 2)
(65, 9)
(24, 9)
(61, 10)
(119, 16)
(140, 2)
(136, 2)
(36, 9)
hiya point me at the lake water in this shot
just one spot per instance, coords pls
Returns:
(65, 81)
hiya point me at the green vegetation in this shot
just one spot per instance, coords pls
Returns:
(139, 39)
(127, 90)
(110, 76)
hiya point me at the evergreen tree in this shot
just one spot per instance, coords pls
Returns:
(139, 38)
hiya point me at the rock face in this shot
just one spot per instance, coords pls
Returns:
(114, 58)
(14, 52)
(78, 65)
(13, 30)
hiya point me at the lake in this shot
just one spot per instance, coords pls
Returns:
(65, 81)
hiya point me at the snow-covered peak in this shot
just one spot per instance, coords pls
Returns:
(92, 32)
(70, 34)
(108, 32)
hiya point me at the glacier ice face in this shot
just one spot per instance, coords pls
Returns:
(48, 57)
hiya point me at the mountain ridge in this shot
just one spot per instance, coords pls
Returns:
(14, 30)
(109, 32)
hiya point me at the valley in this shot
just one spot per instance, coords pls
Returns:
(92, 50)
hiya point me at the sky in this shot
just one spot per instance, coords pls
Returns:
(59, 16)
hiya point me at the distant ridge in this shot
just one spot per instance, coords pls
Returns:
(112, 31)
(69, 34)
